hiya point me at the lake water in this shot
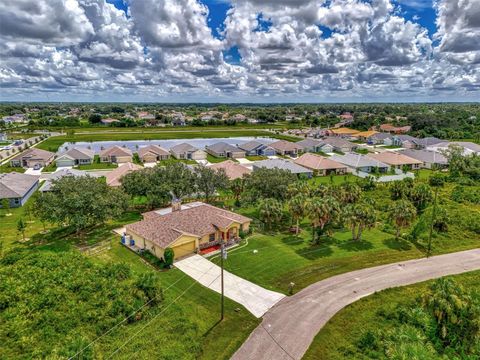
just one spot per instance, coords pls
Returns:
(134, 145)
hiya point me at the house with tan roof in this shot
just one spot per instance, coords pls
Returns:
(366, 135)
(153, 153)
(113, 177)
(224, 150)
(284, 147)
(75, 156)
(186, 151)
(395, 129)
(397, 160)
(339, 144)
(32, 157)
(232, 169)
(116, 154)
(185, 229)
(320, 165)
(17, 188)
(343, 132)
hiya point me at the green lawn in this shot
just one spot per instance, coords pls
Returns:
(337, 179)
(6, 168)
(213, 159)
(256, 158)
(97, 165)
(338, 339)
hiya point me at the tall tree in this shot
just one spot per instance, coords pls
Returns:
(402, 213)
(80, 202)
(421, 195)
(359, 217)
(21, 227)
(208, 181)
(268, 183)
(436, 181)
(270, 211)
(237, 187)
(349, 193)
(322, 212)
(297, 207)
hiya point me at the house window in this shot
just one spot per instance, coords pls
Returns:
(211, 237)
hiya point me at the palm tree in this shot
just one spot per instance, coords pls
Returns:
(402, 213)
(321, 212)
(297, 208)
(436, 181)
(270, 211)
(349, 193)
(359, 217)
(237, 187)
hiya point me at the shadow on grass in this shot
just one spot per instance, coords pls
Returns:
(400, 244)
(292, 240)
(317, 251)
(359, 245)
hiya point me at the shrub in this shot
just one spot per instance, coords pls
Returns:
(168, 256)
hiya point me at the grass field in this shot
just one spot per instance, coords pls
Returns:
(6, 168)
(256, 158)
(213, 159)
(54, 142)
(340, 335)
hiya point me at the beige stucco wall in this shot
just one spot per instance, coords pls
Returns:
(199, 155)
(123, 159)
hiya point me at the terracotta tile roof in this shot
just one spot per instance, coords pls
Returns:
(232, 169)
(393, 158)
(367, 134)
(198, 221)
(114, 176)
(345, 131)
(317, 162)
(154, 149)
(116, 151)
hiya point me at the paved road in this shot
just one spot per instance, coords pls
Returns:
(288, 328)
(255, 298)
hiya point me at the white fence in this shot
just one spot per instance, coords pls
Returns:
(385, 178)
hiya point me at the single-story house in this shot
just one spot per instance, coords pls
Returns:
(109, 121)
(187, 152)
(468, 147)
(75, 156)
(429, 158)
(379, 138)
(339, 144)
(425, 142)
(283, 164)
(405, 141)
(185, 229)
(359, 162)
(116, 154)
(232, 169)
(365, 135)
(397, 160)
(256, 148)
(153, 153)
(343, 132)
(224, 150)
(284, 147)
(32, 157)
(114, 176)
(314, 145)
(47, 185)
(395, 129)
(17, 188)
(320, 165)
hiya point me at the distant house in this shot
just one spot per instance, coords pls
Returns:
(3, 137)
(425, 142)
(429, 158)
(283, 164)
(17, 118)
(339, 144)
(347, 118)
(153, 153)
(74, 157)
(116, 154)
(256, 148)
(109, 121)
(47, 185)
(114, 176)
(468, 147)
(185, 229)
(32, 157)
(358, 162)
(187, 152)
(343, 132)
(224, 150)
(397, 160)
(405, 141)
(232, 169)
(145, 115)
(394, 129)
(366, 135)
(314, 145)
(17, 188)
(320, 165)
(379, 138)
(284, 147)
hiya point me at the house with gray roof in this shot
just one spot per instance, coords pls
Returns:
(468, 147)
(224, 150)
(315, 145)
(425, 142)
(359, 162)
(430, 158)
(74, 157)
(339, 144)
(17, 187)
(256, 148)
(47, 185)
(32, 157)
(283, 164)
(379, 138)
(186, 151)
(405, 141)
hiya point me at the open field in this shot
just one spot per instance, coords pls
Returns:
(340, 337)
(54, 142)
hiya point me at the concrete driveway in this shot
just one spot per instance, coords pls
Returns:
(288, 329)
(256, 299)
(32, 171)
(244, 161)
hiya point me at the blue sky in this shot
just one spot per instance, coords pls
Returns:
(240, 50)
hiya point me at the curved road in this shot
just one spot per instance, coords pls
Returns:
(288, 328)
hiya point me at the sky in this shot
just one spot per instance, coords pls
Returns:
(258, 51)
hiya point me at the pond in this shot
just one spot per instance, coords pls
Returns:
(134, 145)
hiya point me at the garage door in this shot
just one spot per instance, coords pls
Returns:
(184, 249)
